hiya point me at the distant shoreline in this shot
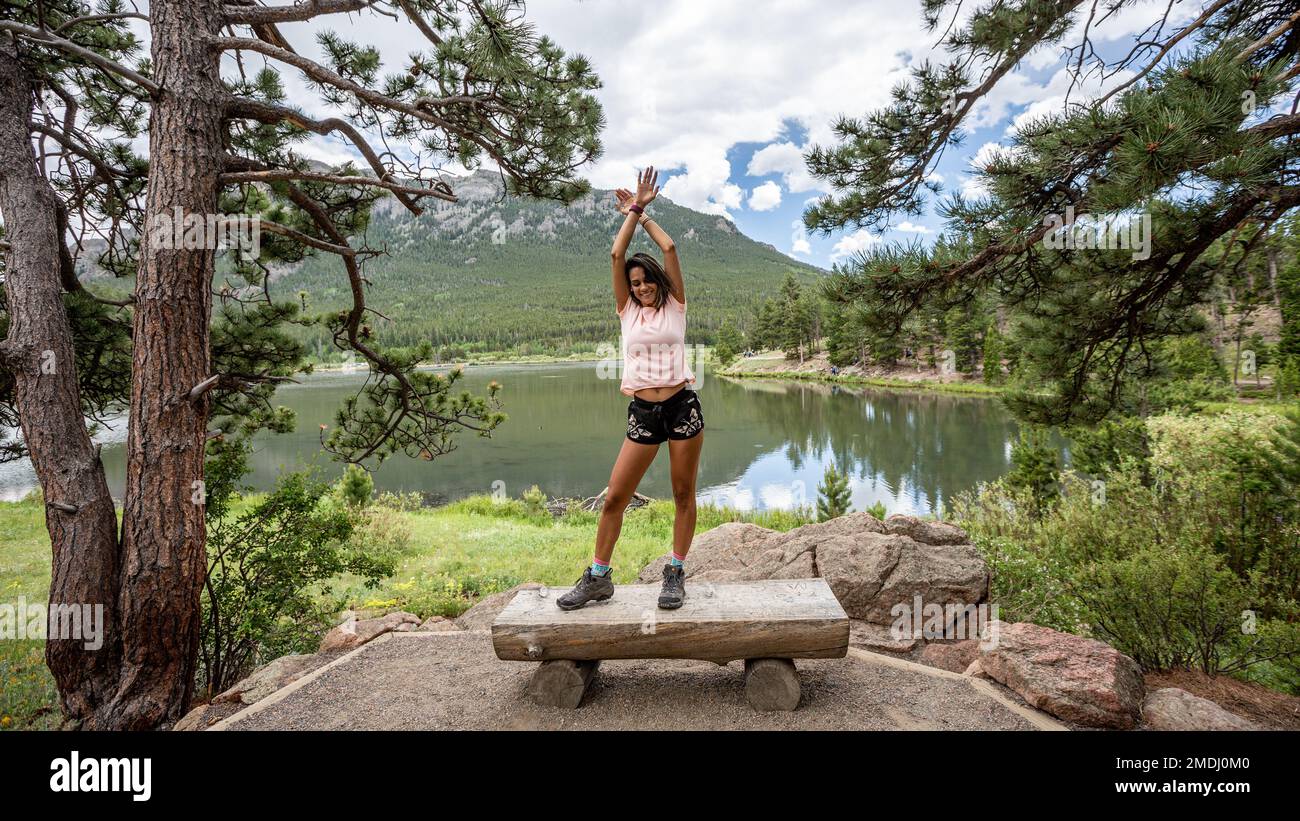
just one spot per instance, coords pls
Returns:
(818, 369)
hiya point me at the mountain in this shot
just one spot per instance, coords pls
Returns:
(498, 273)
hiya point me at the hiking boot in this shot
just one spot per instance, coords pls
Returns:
(588, 588)
(673, 593)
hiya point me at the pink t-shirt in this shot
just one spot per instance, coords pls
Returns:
(654, 346)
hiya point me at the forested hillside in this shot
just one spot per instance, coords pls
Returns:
(497, 274)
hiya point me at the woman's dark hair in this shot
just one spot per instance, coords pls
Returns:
(654, 272)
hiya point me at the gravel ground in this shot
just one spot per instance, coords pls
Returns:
(453, 681)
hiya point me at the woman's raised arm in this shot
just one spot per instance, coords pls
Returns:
(618, 254)
(672, 266)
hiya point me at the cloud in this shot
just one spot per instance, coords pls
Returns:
(706, 186)
(974, 188)
(860, 240)
(786, 159)
(765, 197)
(910, 228)
(799, 239)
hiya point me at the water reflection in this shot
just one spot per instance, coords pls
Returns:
(767, 442)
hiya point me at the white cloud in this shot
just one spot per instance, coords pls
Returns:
(986, 154)
(799, 239)
(706, 186)
(974, 188)
(786, 159)
(910, 228)
(860, 240)
(765, 197)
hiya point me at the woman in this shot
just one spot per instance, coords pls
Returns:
(651, 303)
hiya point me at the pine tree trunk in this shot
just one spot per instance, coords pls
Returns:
(38, 351)
(163, 537)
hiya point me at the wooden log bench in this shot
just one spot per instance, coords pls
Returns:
(765, 623)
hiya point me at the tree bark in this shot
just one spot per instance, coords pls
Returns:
(163, 536)
(38, 351)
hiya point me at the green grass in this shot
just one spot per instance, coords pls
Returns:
(28, 698)
(477, 546)
(456, 554)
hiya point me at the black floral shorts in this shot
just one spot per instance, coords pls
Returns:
(677, 417)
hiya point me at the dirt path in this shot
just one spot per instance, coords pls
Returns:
(445, 681)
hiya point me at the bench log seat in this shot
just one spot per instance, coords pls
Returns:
(764, 623)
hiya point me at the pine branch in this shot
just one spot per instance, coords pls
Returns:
(251, 14)
(443, 192)
(90, 56)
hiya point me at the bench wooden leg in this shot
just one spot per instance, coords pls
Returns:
(771, 684)
(561, 682)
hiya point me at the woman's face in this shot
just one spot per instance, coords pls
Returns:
(643, 289)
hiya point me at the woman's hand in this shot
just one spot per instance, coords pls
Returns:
(625, 200)
(646, 189)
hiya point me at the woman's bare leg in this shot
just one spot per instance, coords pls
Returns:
(633, 461)
(684, 455)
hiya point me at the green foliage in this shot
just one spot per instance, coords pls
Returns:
(790, 321)
(356, 486)
(1188, 172)
(834, 494)
(269, 569)
(1287, 381)
(1195, 565)
(1111, 444)
(1288, 292)
(1034, 467)
(992, 365)
(729, 344)
(535, 502)
(878, 510)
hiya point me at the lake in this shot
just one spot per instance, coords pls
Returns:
(767, 442)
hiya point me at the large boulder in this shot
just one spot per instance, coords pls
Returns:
(1076, 679)
(880, 638)
(438, 624)
(353, 633)
(267, 679)
(870, 565)
(724, 553)
(956, 656)
(873, 571)
(481, 615)
(1170, 708)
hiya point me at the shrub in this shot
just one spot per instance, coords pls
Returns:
(535, 502)
(833, 494)
(1034, 467)
(1170, 558)
(356, 486)
(269, 567)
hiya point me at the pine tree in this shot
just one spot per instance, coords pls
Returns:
(1084, 317)
(834, 496)
(1034, 467)
(992, 356)
(729, 343)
